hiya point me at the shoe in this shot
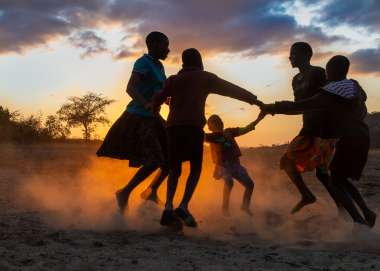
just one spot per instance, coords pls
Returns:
(170, 219)
(370, 217)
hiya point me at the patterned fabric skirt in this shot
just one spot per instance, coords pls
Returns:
(308, 153)
(141, 140)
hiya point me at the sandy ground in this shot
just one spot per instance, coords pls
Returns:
(58, 213)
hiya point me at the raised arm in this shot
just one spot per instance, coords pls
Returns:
(250, 127)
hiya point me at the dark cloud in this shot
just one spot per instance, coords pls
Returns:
(366, 61)
(28, 23)
(251, 27)
(89, 42)
(352, 12)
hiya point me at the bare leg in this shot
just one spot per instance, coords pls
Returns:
(151, 192)
(369, 215)
(242, 177)
(324, 178)
(345, 199)
(228, 185)
(174, 174)
(296, 178)
(122, 195)
(192, 182)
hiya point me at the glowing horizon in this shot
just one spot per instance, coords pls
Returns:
(39, 72)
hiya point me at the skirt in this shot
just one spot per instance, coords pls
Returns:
(141, 140)
(350, 157)
(309, 153)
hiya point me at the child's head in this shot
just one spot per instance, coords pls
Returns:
(158, 45)
(300, 53)
(191, 58)
(337, 68)
(215, 123)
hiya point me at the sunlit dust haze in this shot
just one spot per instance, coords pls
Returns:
(78, 193)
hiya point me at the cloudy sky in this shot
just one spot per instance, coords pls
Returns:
(52, 49)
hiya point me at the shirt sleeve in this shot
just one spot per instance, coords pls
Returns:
(141, 66)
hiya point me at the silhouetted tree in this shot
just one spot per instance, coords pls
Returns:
(7, 123)
(55, 128)
(86, 111)
(7, 116)
(30, 129)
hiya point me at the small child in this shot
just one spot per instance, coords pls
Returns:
(225, 154)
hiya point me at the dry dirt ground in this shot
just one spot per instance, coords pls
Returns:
(57, 212)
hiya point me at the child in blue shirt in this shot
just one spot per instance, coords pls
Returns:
(139, 135)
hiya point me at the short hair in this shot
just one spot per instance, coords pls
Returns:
(216, 119)
(338, 65)
(304, 48)
(155, 37)
(192, 58)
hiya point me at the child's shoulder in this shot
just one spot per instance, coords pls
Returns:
(317, 70)
(142, 65)
(142, 60)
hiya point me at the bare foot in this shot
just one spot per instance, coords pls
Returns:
(247, 211)
(303, 203)
(148, 194)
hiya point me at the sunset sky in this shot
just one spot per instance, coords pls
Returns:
(52, 49)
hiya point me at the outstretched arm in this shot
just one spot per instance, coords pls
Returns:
(315, 103)
(225, 88)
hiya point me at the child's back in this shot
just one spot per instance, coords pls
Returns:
(188, 91)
